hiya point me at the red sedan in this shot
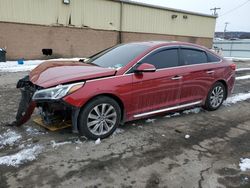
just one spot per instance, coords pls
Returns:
(124, 83)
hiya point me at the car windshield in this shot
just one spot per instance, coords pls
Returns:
(117, 56)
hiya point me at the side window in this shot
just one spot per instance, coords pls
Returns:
(212, 58)
(190, 57)
(163, 59)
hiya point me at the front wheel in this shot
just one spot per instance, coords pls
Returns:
(215, 97)
(99, 118)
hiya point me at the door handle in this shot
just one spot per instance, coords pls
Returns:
(176, 77)
(210, 72)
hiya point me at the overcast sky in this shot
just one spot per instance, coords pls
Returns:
(237, 12)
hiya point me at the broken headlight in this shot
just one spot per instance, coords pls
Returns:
(56, 92)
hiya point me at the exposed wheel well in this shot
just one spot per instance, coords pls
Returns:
(117, 99)
(225, 84)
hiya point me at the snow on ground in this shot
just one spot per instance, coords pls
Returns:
(13, 66)
(192, 111)
(237, 58)
(172, 115)
(118, 131)
(34, 131)
(243, 77)
(9, 138)
(98, 141)
(236, 98)
(150, 120)
(25, 155)
(244, 164)
(242, 69)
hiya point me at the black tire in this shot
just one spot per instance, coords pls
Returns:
(209, 105)
(88, 110)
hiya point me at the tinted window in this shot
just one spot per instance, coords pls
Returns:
(190, 57)
(163, 59)
(212, 58)
(118, 56)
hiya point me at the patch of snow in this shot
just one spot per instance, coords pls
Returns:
(98, 141)
(187, 136)
(237, 98)
(244, 164)
(243, 77)
(57, 144)
(237, 58)
(192, 111)
(242, 69)
(13, 66)
(150, 120)
(118, 131)
(22, 156)
(9, 138)
(172, 115)
(33, 131)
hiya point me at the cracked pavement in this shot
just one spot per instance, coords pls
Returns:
(153, 154)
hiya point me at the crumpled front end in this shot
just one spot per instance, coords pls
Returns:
(52, 109)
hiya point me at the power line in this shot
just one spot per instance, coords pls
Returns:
(235, 8)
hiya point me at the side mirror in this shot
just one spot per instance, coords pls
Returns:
(145, 67)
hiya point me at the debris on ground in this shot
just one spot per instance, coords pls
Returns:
(57, 144)
(187, 136)
(244, 164)
(25, 155)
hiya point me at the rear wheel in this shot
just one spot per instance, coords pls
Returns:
(99, 118)
(215, 97)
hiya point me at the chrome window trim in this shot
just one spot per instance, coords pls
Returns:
(167, 109)
(169, 47)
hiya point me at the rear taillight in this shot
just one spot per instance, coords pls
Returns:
(233, 66)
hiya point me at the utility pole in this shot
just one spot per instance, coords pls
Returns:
(215, 10)
(225, 29)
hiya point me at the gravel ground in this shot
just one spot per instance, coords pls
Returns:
(145, 153)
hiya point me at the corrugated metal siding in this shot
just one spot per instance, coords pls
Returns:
(29, 11)
(152, 20)
(105, 14)
(98, 14)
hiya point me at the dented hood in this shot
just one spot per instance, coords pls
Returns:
(52, 73)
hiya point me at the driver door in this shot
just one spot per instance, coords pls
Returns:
(160, 89)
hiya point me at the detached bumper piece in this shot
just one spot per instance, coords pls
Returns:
(26, 105)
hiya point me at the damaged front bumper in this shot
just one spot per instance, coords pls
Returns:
(51, 111)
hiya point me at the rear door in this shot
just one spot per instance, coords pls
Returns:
(198, 75)
(156, 90)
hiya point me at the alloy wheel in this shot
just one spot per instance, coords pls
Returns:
(216, 96)
(101, 119)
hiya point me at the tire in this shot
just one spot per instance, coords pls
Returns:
(218, 93)
(99, 118)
